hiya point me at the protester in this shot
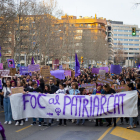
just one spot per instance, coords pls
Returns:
(82, 92)
(98, 91)
(53, 87)
(131, 119)
(6, 101)
(61, 90)
(108, 90)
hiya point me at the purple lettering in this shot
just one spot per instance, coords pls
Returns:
(90, 106)
(24, 100)
(102, 105)
(65, 104)
(108, 104)
(116, 104)
(85, 103)
(72, 104)
(38, 100)
(80, 100)
(121, 95)
(94, 105)
(33, 96)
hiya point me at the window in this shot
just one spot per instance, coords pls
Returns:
(136, 44)
(125, 30)
(119, 39)
(115, 30)
(120, 34)
(115, 43)
(109, 39)
(125, 39)
(130, 35)
(136, 39)
(120, 30)
(115, 38)
(109, 34)
(115, 34)
(136, 48)
(136, 53)
(131, 57)
(126, 44)
(130, 30)
(130, 39)
(130, 48)
(126, 53)
(130, 44)
(126, 48)
(22, 57)
(131, 53)
(137, 36)
(125, 35)
(137, 31)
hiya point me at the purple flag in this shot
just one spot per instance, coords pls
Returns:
(95, 70)
(32, 62)
(77, 66)
(24, 71)
(58, 74)
(11, 63)
(0, 83)
(116, 69)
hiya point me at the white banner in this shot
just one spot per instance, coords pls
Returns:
(37, 105)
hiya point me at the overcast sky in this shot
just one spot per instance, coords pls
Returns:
(119, 10)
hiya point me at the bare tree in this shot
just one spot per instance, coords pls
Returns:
(119, 54)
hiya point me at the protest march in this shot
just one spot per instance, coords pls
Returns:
(64, 94)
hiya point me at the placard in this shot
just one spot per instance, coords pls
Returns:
(104, 68)
(102, 72)
(0, 83)
(17, 90)
(67, 73)
(89, 87)
(12, 71)
(120, 88)
(48, 78)
(34, 68)
(95, 70)
(4, 73)
(45, 71)
(104, 80)
(1, 66)
(11, 63)
(116, 69)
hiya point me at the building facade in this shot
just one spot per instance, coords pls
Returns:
(120, 37)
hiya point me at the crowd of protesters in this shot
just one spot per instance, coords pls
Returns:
(70, 86)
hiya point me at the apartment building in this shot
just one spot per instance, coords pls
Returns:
(121, 35)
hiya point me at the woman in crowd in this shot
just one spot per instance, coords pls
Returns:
(108, 90)
(6, 101)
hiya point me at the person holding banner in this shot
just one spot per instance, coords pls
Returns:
(98, 91)
(108, 90)
(131, 126)
(19, 122)
(53, 87)
(6, 101)
(47, 90)
(82, 92)
(61, 90)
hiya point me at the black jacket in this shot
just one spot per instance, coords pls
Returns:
(35, 90)
(110, 91)
(53, 88)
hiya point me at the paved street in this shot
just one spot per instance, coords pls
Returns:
(70, 132)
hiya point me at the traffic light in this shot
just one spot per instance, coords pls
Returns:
(82, 60)
(133, 31)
